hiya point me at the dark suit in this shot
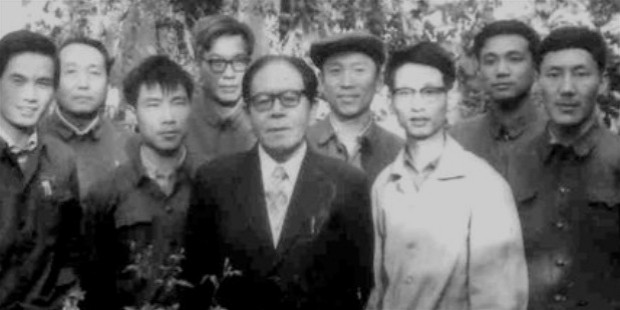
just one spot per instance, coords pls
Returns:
(323, 259)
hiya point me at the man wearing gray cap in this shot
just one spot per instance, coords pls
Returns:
(219, 125)
(350, 66)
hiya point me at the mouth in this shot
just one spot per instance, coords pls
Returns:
(228, 88)
(567, 106)
(348, 98)
(277, 129)
(27, 111)
(418, 121)
(502, 86)
(83, 98)
(169, 134)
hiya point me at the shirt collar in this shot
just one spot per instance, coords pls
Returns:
(582, 146)
(31, 143)
(151, 168)
(68, 130)
(517, 125)
(291, 166)
(326, 132)
(448, 165)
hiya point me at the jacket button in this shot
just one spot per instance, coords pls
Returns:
(560, 224)
(564, 190)
(409, 280)
(559, 297)
(560, 262)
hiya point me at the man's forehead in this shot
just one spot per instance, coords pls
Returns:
(27, 63)
(505, 43)
(571, 57)
(74, 53)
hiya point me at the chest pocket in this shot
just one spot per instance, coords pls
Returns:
(604, 209)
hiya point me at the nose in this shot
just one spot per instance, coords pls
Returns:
(346, 80)
(278, 110)
(503, 69)
(567, 86)
(29, 93)
(167, 114)
(83, 80)
(228, 71)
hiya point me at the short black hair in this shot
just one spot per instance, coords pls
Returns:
(156, 70)
(25, 41)
(308, 76)
(570, 37)
(507, 27)
(424, 53)
(210, 28)
(108, 61)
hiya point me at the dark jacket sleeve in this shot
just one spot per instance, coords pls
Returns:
(202, 248)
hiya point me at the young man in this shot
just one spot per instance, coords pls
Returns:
(219, 124)
(447, 233)
(98, 144)
(506, 52)
(136, 216)
(567, 182)
(350, 76)
(297, 225)
(39, 209)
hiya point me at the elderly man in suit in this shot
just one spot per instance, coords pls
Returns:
(293, 226)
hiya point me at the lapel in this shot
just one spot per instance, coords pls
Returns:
(251, 200)
(309, 205)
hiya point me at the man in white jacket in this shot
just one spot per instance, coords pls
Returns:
(447, 233)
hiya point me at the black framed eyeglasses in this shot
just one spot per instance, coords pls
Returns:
(263, 102)
(218, 65)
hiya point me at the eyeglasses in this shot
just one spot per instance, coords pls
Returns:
(427, 93)
(264, 102)
(218, 65)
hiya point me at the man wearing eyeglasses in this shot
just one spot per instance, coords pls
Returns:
(219, 125)
(296, 224)
(447, 233)
(350, 66)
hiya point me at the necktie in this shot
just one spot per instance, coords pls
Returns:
(277, 200)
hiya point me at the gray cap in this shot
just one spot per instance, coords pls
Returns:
(348, 42)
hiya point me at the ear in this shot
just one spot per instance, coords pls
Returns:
(379, 80)
(321, 87)
(603, 87)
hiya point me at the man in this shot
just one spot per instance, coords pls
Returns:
(505, 51)
(295, 224)
(350, 67)
(567, 182)
(219, 124)
(39, 209)
(98, 144)
(136, 216)
(447, 233)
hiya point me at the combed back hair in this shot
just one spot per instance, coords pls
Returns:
(210, 28)
(156, 70)
(108, 61)
(24, 41)
(507, 27)
(424, 53)
(307, 74)
(572, 37)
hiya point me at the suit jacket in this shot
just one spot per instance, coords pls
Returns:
(323, 259)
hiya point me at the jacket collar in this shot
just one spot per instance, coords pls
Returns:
(327, 133)
(516, 125)
(449, 166)
(68, 131)
(584, 145)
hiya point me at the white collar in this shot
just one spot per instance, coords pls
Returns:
(31, 144)
(73, 128)
(291, 166)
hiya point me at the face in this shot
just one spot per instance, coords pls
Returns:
(280, 130)
(506, 67)
(224, 86)
(83, 79)
(26, 89)
(162, 116)
(349, 81)
(419, 100)
(570, 82)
